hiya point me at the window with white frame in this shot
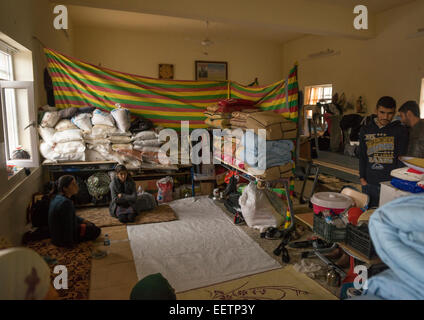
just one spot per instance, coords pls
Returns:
(319, 93)
(17, 113)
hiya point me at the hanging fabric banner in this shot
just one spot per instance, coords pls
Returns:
(165, 102)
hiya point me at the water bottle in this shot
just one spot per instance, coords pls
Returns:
(139, 191)
(106, 244)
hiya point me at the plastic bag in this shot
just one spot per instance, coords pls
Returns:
(165, 186)
(50, 119)
(145, 201)
(65, 124)
(98, 185)
(102, 118)
(122, 118)
(83, 121)
(257, 210)
(140, 124)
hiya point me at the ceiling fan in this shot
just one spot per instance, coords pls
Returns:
(207, 42)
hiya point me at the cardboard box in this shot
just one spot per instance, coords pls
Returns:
(147, 185)
(206, 188)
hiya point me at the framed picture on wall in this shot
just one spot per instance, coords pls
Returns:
(211, 70)
(166, 71)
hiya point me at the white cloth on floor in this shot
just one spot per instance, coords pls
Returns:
(203, 247)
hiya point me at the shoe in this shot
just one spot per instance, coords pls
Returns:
(301, 244)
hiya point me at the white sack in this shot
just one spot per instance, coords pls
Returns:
(120, 139)
(50, 119)
(67, 135)
(83, 121)
(148, 143)
(256, 209)
(47, 134)
(146, 135)
(127, 146)
(70, 147)
(65, 124)
(97, 141)
(102, 130)
(147, 149)
(103, 118)
(122, 118)
(47, 151)
(93, 155)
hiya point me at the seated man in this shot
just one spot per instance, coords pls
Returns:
(410, 116)
(382, 141)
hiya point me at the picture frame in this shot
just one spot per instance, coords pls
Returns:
(166, 71)
(211, 70)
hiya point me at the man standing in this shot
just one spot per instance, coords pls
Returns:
(410, 115)
(381, 143)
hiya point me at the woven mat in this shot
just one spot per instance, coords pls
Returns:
(280, 284)
(101, 217)
(76, 260)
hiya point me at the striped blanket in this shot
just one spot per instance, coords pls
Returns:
(164, 102)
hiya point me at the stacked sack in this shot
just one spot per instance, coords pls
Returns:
(89, 134)
(62, 140)
(110, 139)
(147, 143)
(219, 115)
(239, 118)
(279, 147)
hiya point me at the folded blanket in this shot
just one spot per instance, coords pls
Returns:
(396, 230)
(277, 152)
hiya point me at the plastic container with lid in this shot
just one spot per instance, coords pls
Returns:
(334, 201)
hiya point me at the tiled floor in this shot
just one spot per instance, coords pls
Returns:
(113, 277)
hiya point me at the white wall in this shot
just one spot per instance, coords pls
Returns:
(140, 53)
(389, 64)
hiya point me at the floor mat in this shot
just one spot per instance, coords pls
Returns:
(281, 284)
(203, 247)
(76, 260)
(101, 217)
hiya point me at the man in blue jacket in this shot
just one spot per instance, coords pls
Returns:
(382, 141)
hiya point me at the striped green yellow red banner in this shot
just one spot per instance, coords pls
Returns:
(164, 102)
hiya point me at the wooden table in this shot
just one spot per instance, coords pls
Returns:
(308, 219)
